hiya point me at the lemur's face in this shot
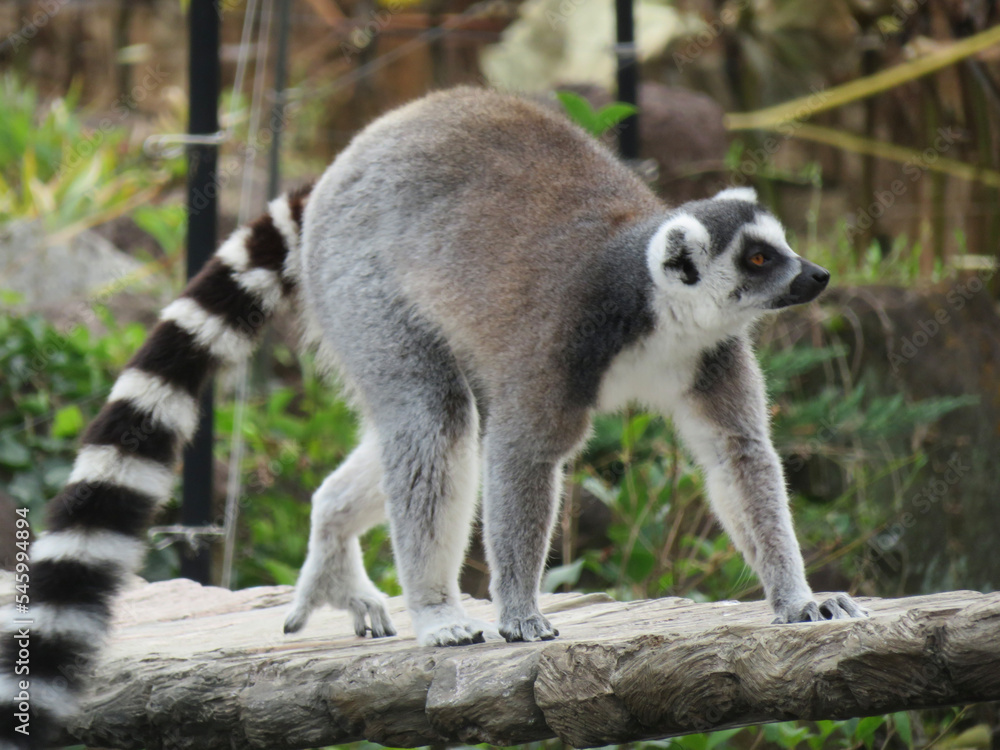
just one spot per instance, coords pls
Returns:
(724, 260)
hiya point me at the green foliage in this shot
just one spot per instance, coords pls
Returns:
(54, 382)
(596, 122)
(899, 264)
(810, 424)
(166, 223)
(295, 435)
(58, 167)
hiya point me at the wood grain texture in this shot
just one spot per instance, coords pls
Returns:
(194, 667)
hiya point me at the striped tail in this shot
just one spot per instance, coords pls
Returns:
(125, 471)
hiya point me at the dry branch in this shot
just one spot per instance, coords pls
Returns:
(193, 667)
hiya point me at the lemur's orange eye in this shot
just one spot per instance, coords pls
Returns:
(758, 259)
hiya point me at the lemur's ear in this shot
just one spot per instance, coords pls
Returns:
(747, 194)
(676, 250)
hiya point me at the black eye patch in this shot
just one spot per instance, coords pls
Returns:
(682, 262)
(757, 256)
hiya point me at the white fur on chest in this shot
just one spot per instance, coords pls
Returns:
(655, 373)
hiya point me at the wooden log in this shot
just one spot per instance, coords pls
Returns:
(201, 667)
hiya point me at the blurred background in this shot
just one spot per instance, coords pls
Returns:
(870, 127)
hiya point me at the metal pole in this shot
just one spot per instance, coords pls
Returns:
(203, 81)
(278, 111)
(628, 78)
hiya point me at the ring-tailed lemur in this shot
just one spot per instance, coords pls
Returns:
(484, 276)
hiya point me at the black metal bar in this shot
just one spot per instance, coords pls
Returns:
(278, 111)
(628, 78)
(203, 78)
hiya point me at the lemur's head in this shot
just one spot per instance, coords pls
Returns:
(724, 260)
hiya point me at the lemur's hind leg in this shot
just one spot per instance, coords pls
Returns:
(407, 382)
(348, 503)
(412, 392)
(430, 450)
(526, 447)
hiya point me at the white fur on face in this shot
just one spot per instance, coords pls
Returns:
(768, 230)
(695, 308)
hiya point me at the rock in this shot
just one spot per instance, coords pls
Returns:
(64, 281)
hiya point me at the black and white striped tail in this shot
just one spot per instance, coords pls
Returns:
(125, 470)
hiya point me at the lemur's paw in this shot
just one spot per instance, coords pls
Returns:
(296, 620)
(837, 607)
(841, 607)
(367, 609)
(530, 628)
(448, 626)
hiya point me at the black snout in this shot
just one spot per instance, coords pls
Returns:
(805, 287)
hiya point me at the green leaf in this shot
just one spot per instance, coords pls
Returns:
(563, 574)
(579, 111)
(597, 123)
(282, 573)
(55, 473)
(635, 429)
(715, 738)
(866, 729)
(10, 297)
(607, 495)
(613, 114)
(68, 421)
(692, 742)
(640, 564)
(13, 454)
(167, 224)
(901, 720)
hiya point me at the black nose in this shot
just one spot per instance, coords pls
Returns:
(818, 274)
(805, 287)
(812, 280)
